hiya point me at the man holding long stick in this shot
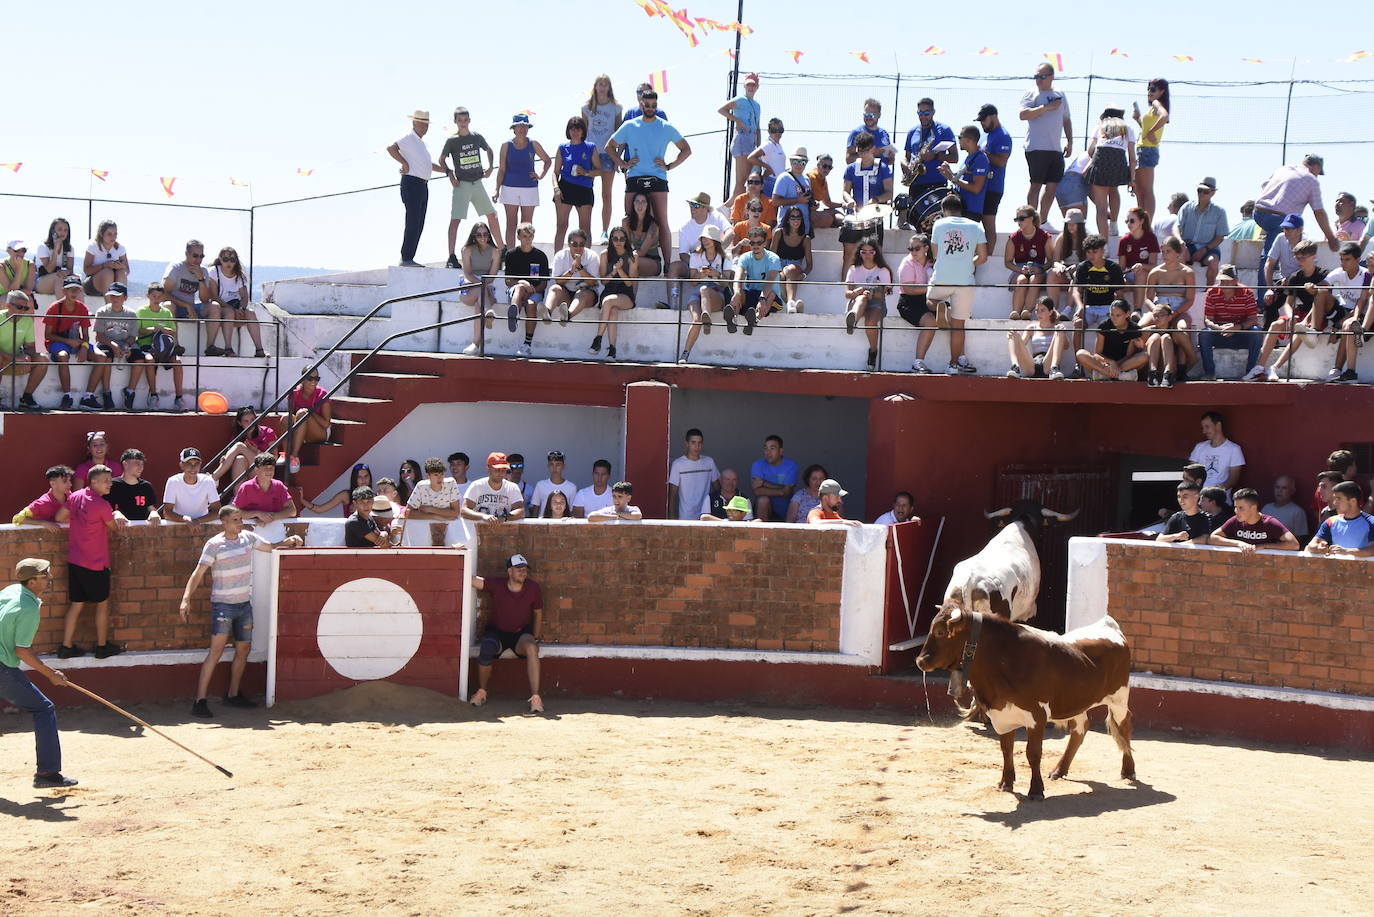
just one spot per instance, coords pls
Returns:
(19, 604)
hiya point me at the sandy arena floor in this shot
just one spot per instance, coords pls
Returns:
(389, 800)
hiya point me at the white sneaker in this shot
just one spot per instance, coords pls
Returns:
(791, 306)
(1129, 375)
(523, 351)
(1049, 228)
(1256, 373)
(1272, 374)
(1056, 374)
(800, 304)
(470, 350)
(919, 367)
(1333, 375)
(1014, 373)
(152, 401)
(965, 367)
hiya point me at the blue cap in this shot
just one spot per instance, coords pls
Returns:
(1292, 221)
(520, 118)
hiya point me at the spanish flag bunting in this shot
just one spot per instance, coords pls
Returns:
(649, 9)
(101, 174)
(1183, 58)
(12, 166)
(1117, 52)
(236, 183)
(659, 80)
(729, 52)
(933, 50)
(861, 55)
(663, 8)
(305, 173)
(1251, 60)
(167, 182)
(987, 52)
(1056, 60)
(796, 56)
(744, 30)
(527, 111)
(1358, 55)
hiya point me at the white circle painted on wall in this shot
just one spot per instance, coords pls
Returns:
(369, 629)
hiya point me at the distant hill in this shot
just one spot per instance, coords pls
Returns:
(142, 273)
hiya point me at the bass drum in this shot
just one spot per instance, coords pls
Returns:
(923, 210)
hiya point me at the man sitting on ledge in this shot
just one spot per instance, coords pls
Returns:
(516, 623)
(1350, 532)
(1249, 529)
(1189, 523)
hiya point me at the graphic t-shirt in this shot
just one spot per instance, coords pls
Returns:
(135, 500)
(491, 501)
(1099, 283)
(1267, 530)
(1219, 460)
(647, 140)
(180, 283)
(231, 566)
(119, 326)
(1346, 290)
(1131, 251)
(512, 612)
(756, 270)
(532, 263)
(955, 241)
(466, 150)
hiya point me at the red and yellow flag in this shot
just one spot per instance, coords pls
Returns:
(933, 50)
(236, 183)
(1251, 60)
(659, 80)
(987, 52)
(1358, 55)
(167, 182)
(1183, 58)
(796, 56)
(1117, 52)
(861, 55)
(649, 9)
(101, 174)
(12, 166)
(305, 173)
(1056, 60)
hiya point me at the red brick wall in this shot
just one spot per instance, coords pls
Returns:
(1265, 619)
(721, 586)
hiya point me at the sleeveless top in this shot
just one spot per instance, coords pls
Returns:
(16, 279)
(575, 154)
(1041, 339)
(519, 165)
(1147, 121)
(791, 252)
(601, 123)
(616, 284)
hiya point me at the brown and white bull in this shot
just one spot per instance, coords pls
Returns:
(1023, 676)
(1004, 578)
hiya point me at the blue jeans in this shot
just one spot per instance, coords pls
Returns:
(415, 197)
(1210, 339)
(1269, 222)
(16, 688)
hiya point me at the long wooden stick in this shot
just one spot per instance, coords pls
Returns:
(148, 726)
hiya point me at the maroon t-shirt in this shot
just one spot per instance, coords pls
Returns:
(1267, 530)
(512, 612)
(1035, 250)
(1131, 251)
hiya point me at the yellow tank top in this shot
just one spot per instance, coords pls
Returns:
(1147, 121)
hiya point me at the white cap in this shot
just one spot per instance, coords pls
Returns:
(517, 560)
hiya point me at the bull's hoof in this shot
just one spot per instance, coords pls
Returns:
(1058, 774)
(1036, 797)
(1037, 789)
(1128, 773)
(1005, 786)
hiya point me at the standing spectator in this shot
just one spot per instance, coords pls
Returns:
(866, 288)
(264, 501)
(598, 494)
(481, 264)
(959, 247)
(129, 494)
(517, 477)
(49, 510)
(1350, 531)
(1202, 226)
(466, 174)
(710, 267)
(362, 529)
(416, 165)
(772, 478)
(1292, 189)
(930, 146)
(688, 237)
(106, 261)
(1072, 191)
(16, 271)
(228, 558)
(88, 563)
(19, 617)
(1190, 523)
(1119, 348)
(1036, 352)
(184, 282)
(229, 300)
(574, 280)
(619, 267)
(808, 496)
(641, 91)
(793, 190)
(1112, 149)
(793, 247)
(998, 147)
(436, 498)
(458, 468)
(1249, 529)
(526, 269)
(1151, 133)
(620, 509)
(1026, 254)
(903, 510)
(913, 277)
(1137, 252)
(828, 511)
(972, 179)
(1047, 112)
(745, 112)
(517, 182)
(691, 478)
(882, 141)
(1293, 516)
(602, 114)
(1097, 282)
(239, 458)
(190, 496)
(116, 337)
(555, 481)
(1229, 311)
(728, 492)
(493, 498)
(1224, 460)
(644, 140)
(1167, 225)
(756, 286)
(97, 453)
(360, 476)
(516, 623)
(769, 158)
(66, 328)
(19, 350)
(824, 210)
(574, 175)
(157, 337)
(54, 258)
(310, 413)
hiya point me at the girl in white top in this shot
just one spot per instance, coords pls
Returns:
(481, 259)
(1035, 352)
(229, 295)
(106, 261)
(1112, 148)
(709, 269)
(770, 155)
(866, 287)
(54, 257)
(602, 114)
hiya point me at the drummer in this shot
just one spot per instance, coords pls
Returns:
(867, 180)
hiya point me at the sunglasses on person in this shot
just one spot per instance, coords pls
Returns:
(870, 114)
(826, 167)
(754, 181)
(915, 247)
(1043, 76)
(312, 378)
(577, 245)
(754, 209)
(693, 205)
(867, 251)
(517, 466)
(1206, 191)
(196, 255)
(1025, 218)
(926, 114)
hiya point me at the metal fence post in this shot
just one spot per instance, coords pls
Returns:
(1287, 111)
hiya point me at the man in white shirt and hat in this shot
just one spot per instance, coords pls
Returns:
(416, 165)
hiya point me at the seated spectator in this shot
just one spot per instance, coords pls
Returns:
(1171, 284)
(1350, 531)
(1249, 529)
(493, 498)
(574, 280)
(66, 328)
(19, 350)
(710, 269)
(157, 337)
(1026, 253)
(106, 261)
(1326, 493)
(793, 247)
(688, 237)
(116, 336)
(556, 463)
(16, 271)
(645, 235)
(360, 476)
(598, 494)
(1349, 312)
(729, 490)
(1190, 523)
(186, 284)
(619, 268)
(1097, 281)
(557, 506)
(407, 477)
(458, 463)
(265, 501)
(436, 498)
(1280, 263)
(130, 494)
(190, 496)
(1202, 226)
(97, 453)
(481, 263)
(753, 219)
(824, 212)
(310, 410)
(808, 496)
(793, 191)
(1349, 227)
(913, 305)
(386, 487)
(1066, 255)
(753, 194)
(230, 301)
(1223, 458)
(1036, 351)
(1119, 348)
(259, 438)
(736, 509)
(1229, 310)
(1342, 462)
(773, 479)
(1167, 225)
(1304, 301)
(1284, 509)
(49, 510)
(524, 267)
(54, 259)
(1160, 346)
(828, 512)
(361, 530)
(620, 509)
(903, 510)
(770, 157)
(1212, 501)
(1137, 252)
(515, 623)
(867, 285)
(756, 287)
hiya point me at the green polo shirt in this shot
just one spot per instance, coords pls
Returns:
(18, 621)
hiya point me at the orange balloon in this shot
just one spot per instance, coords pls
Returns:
(212, 403)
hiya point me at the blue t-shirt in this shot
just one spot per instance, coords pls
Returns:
(881, 138)
(784, 473)
(975, 163)
(637, 111)
(940, 134)
(866, 184)
(649, 141)
(576, 154)
(997, 141)
(756, 269)
(1348, 533)
(788, 185)
(748, 111)
(954, 240)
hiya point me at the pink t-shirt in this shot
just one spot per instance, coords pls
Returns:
(299, 400)
(45, 508)
(263, 439)
(88, 543)
(913, 273)
(252, 498)
(83, 471)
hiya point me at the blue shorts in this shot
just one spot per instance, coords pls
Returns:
(1194, 248)
(235, 617)
(57, 347)
(1146, 157)
(788, 261)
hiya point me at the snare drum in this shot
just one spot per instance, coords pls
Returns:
(865, 223)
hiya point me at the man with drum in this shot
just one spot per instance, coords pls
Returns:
(867, 180)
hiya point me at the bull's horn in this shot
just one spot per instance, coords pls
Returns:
(955, 615)
(1062, 517)
(998, 513)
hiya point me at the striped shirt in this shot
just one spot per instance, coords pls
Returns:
(231, 566)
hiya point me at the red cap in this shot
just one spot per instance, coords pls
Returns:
(497, 460)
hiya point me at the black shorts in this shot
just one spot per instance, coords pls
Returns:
(973, 215)
(1045, 166)
(85, 585)
(576, 195)
(911, 306)
(646, 184)
(1039, 360)
(138, 355)
(752, 297)
(495, 642)
(992, 202)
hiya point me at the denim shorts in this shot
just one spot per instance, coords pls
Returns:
(235, 617)
(1146, 157)
(745, 142)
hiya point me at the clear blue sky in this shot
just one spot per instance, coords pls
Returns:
(256, 91)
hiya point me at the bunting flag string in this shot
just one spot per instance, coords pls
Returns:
(729, 52)
(1183, 58)
(658, 80)
(1358, 55)
(12, 166)
(303, 173)
(236, 183)
(101, 174)
(1056, 60)
(796, 56)
(861, 55)
(167, 182)
(934, 50)
(1117, 52)
(688, 24)
(987, 52)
